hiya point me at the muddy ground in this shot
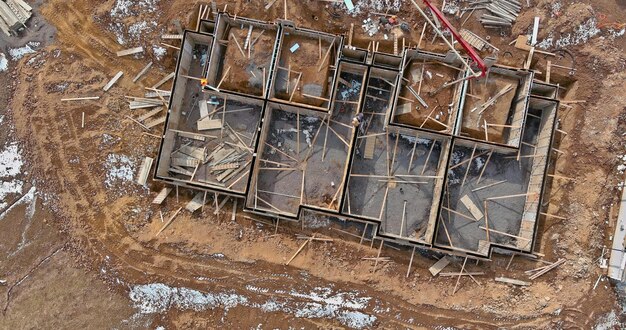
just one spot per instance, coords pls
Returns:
(80, 251)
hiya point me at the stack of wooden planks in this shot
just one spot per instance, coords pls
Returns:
(13, 16)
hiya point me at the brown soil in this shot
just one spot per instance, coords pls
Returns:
(108, 234)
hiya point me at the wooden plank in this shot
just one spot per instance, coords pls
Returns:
(149, 114)
(113, 81)
(142, 72)
(144, 170)
(24, 5)
(160, 197)
(81, 98)
(204, 108)
(155, 122)
(512, 281)
(439, 266)
(403, 109)
(172, 36)
(224, 167)
(130, 51)
(184, 161)
(469, 204)
(164, 80)
(209, 124)
(370, 144)
(195, 203)
(169, 221)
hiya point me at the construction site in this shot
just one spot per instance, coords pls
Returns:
(278, 132)
(325, 164)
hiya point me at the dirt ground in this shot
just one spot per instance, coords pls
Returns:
(84, 253)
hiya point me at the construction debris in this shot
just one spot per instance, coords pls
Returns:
(13, 16)
(144, 170)
(160, 197)
(130, 51)
(512, 281)
(501, 13)
(113, 81)
(439, 265)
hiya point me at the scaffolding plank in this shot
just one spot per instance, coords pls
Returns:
(163, 81)
(155, 122)
(439, 266)
(142, 72)
(184, 161)
(370, 144)
(195, 203)
(161, 196)
(144, 170)
(172, 36)
(204, 108)
(130, 51)
(475, 211)
(209, 124)
(512, 281)
(149, 114)
(113, 81)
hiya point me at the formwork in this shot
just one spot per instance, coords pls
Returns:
(298, 123)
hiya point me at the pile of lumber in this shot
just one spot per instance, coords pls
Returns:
(13, 16)
(225, 162)
(535, 273)
(499, 13)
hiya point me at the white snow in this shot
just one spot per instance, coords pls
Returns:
(10, 161)
(319, 303)
(4, 63)
(159, 52)
(17, 53)
(119, 168)
(29, 198)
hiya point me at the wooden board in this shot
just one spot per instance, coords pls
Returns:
(224, 167)
(195, 152)
(144, 170)
(475, 211)
(403, 109)
(192, 136)
(149, 114)
(370, 144)
(195, 203)
(439, 266)
(184, 161)
(130, 51)
(142, 72)
(204, 108)
(512, 281)
(155, 122)
(209, 124)
(164, 80)
(113, 81)
(172, 36)
(161, 196)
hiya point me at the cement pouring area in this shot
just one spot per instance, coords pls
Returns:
(406, 147)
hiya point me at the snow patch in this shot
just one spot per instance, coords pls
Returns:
(319, 303)
(159, 52)
(119, 168)
(4, 63)
(17, 53)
